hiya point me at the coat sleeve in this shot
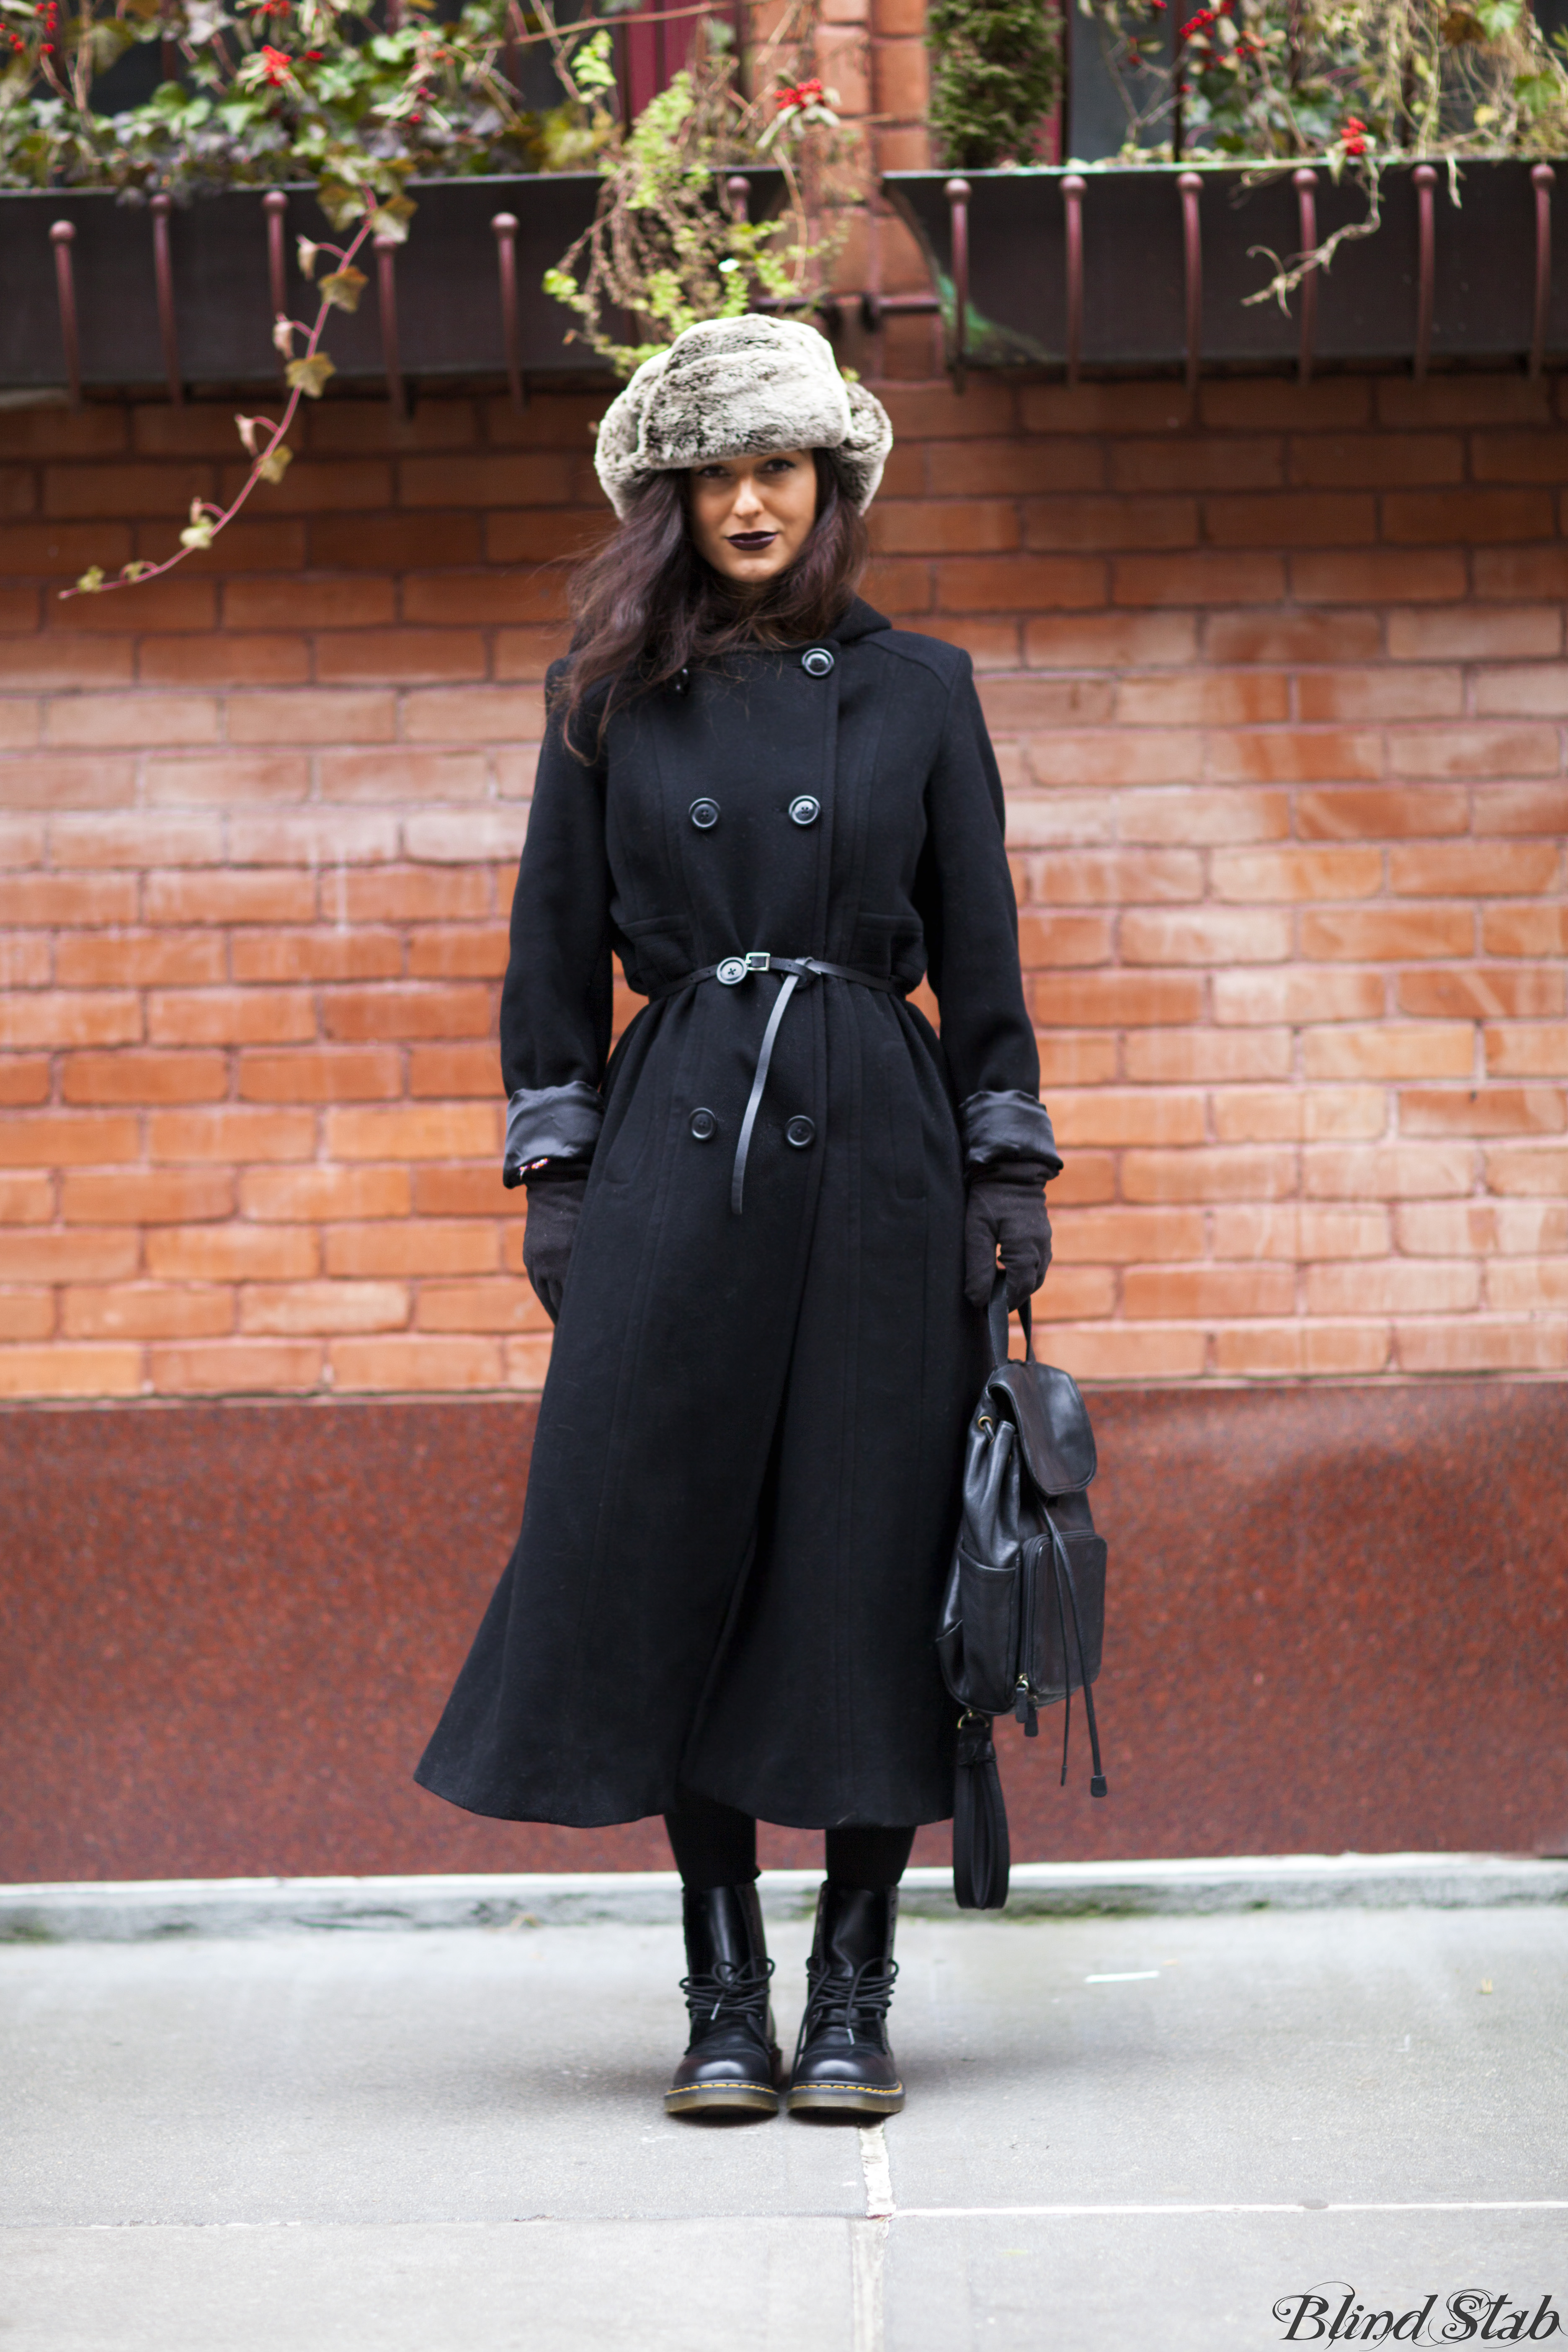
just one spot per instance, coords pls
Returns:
(964, 893)
(555, 1013)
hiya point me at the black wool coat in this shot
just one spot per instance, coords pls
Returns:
(745, 1478)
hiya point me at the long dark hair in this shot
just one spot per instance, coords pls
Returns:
(645, 605)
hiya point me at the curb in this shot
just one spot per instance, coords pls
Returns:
(143, 1910)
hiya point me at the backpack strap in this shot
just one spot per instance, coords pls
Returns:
(996, 1322)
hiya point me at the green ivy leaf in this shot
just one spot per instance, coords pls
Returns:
(310, 375)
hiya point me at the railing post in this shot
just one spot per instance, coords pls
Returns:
(1543, 178)
(1306, 186)
(957, 192)
(163, 274)
(63, 237)
(275, 205)
(1191, 187)
(1072, 200)
(1426, 179)
(386, 291)
(505, 227)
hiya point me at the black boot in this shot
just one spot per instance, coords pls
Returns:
(842, 2063)
(732, 2063)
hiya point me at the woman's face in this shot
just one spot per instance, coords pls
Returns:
(752, 516)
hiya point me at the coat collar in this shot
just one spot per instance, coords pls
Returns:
(859, 619)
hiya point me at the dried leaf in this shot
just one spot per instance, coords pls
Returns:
(276, 463)
(310, 375)
(283, 335)
(198, 533)
(246, 427)
(306, 252)
(392, 218)
(343, 288)
(91, 580)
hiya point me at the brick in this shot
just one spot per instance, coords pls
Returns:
(326, 837)
(1387, 1172)
(1245, 876)
(484, 480)
(1189, 816)
(420, 1245)
(1330, 404)
(1198, 1056)
(143, 1196)
(1282, 1350)
(416, 1131)
(1289, 1230)
(1474, 751)
(1089, 1176)
(1481, 992)
(287, 957)
(60, 1017)
(982, 584)
(1473, 633)
(948, 526)
(1374, 934)
(1299, 1115)
(307, 715)
(1522, 690)
(1380, 815)
(1067, 1060)
(302, 602)
(1300, 994)
(66, 1139)
(526, 652)
(236, 1367)
(1378, 576)
(24, 1077)
(230, 1017)
(52, 658)
(1110, 640)
(1203, 698)
(379, 1014)
(232, 1134)
(79, 722)
(126, 958)
(25, 960)
(87, 1257)
(1025, 704)
(1008, 469)
(47, 431)
(221, 658)
(1137, 1352)
(1074, 1293)
(234, 1252)
(229, 898)
(1121, 1000)
(404, 894)
(403, 657)
(1116, 757)
(404, 775)
(900, 584)
(60, 1372)
(1088, 877)
(1462, 400)
(1122, 1116)
(1483, 869)
(146, 1310)
(1525, 931)
(1519, 458)
(321, 1073)
(1091, 525)
(1540, 1168)
(1195, 463)
(23, 840)
(1470, 517)
(448, 1070)
(1520, 572)
(394, 542)
(1214, 1174)
(416, 1362)
(1203, 577)
(1292, 637)
(466, 1192)
(1376, 461)
(1296, 756)
(62, 551)
(348, 426)
(1291, 519)
(1528, 1286)
(1037, 819)
(489, 714)
(1186, 1293)
(230, 779)
(1537, 1050)
(1402, 692)
(1483, 1110)
(1520, 808)
(67, 898)
(1209, 935)
(290, 1195)
(1482, 1345)
(138, 840)
(125, 489)
(144, 1077)
(1484, 1228)
(551, 540)
(1118, 1236)
(27, 1314)
(494, 1305)
(1396, 1051)
(288, 1310)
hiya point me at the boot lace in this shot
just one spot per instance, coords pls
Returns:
(837, 1998)
(732, 1990)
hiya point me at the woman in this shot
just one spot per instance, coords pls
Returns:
(756, 1225)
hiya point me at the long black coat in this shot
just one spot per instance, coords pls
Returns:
(743, 1483)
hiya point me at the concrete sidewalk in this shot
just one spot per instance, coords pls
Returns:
(1121, 2132)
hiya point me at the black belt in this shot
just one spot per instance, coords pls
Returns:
(729, 973)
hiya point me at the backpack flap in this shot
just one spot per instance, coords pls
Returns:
(1053, 1424)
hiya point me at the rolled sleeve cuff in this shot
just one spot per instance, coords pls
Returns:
(551, 1123)
(1011, 1125)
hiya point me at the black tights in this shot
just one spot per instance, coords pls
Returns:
(715, 1845)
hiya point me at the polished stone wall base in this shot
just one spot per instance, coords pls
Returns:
(1338, 1619)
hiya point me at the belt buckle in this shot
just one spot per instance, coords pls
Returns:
(758, 961)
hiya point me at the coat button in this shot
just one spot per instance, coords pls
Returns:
(816, 661)
(805, 811)
(704, 814)
(800, 1133)
(704, 1126)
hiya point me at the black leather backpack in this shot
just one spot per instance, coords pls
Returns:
(1023, 1617)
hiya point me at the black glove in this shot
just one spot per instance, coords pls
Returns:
(554, 1204)
(1006, 1219)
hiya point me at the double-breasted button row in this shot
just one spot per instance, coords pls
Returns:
(802, 809)
(801, 1133)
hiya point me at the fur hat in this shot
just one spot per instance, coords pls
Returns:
(740, 387)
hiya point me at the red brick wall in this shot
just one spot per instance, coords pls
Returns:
(1279, 697)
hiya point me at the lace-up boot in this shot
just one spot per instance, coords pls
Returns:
(842, 2061)
(732, 2063)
